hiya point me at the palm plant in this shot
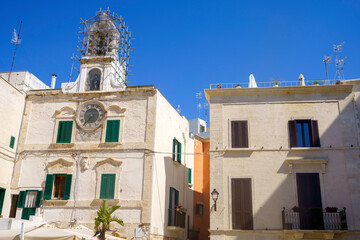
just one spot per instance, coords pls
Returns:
(104, 218)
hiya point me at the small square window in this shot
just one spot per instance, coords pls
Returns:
(199, 209)
(304, 133)
(59, 186)
(12, 142)
(239, 134)
(176, 153)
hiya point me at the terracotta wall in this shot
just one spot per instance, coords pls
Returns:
(202, 186)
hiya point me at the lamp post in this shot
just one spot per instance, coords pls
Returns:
(215, 195)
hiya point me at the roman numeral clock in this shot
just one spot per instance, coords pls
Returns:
(90, 115)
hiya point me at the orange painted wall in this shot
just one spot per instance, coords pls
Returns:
(202, 186)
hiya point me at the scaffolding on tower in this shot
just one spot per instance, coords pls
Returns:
(106, 35)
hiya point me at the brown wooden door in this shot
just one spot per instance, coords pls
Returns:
(14, 201)
(242, 216)
(309, 198)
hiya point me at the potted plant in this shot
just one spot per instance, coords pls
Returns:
(104, 218)
(219, 85)
(179, 208)
(338, 82)
(238, 85)
(276, 82)
(331, 209)
(316, 83)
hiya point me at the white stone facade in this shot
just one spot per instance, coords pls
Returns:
(272, 165)
(141, 159)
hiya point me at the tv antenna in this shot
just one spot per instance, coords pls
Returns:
(199, 97)
(72, 66)
(15, 41)
(326, 61)
(339, 63)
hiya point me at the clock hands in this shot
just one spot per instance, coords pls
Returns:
(90, 117)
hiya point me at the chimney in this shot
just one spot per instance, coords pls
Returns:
(53, 81)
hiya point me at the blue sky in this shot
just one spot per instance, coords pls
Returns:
(183, 46)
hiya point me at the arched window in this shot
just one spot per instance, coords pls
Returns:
(94, 80)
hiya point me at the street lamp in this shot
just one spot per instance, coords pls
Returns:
(215, 195)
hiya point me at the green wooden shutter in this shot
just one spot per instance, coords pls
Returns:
(189, 177)
(38, 199)
(109, 127)
(64, 132)
(12, 142)
(107, 188)
(174, 147)
(2, 197)
(176, 197)
(48, 186)
(67, 186)
(112, 131)
(179, 152)
(21, 200)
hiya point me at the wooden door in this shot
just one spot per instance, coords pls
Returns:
(14, 201)
(242, 216)
(309, 198)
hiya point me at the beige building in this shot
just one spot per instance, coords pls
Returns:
(96, 139)
(12, 99)
(282, 160)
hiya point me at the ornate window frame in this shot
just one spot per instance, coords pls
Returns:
(108, 166)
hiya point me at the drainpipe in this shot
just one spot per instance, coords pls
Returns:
(53, 81)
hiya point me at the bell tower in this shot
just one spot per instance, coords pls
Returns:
(105, 54)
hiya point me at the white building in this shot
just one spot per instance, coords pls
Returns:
(97, 139)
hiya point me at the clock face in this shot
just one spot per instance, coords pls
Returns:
(91, 115)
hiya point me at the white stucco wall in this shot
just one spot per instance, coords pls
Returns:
(12, 103)
(167, 173)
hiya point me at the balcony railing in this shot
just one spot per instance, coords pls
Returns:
(271, 84)
(314, 219)
(176, 218)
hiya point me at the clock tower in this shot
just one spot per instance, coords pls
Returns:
(105, 54)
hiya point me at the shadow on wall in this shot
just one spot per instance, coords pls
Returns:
(175, 178)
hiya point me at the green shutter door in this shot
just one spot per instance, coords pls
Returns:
(64, 132)
(67, 186)
(2, 197)
(179, 152)
(174, 147)
(112, 131)
(189, 177)
(21, 200)
(48, 186)
(109, 127)
(107, 188)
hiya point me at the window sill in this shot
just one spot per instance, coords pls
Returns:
(62, 145)
(240, 149)
(109, 144)
(305, 148)
(98, 201)
(56, 202)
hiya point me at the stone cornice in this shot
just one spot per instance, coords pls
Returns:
(277, 90)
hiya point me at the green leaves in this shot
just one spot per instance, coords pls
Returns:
(104, 218)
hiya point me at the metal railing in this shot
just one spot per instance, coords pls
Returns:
(272, 84)
(176, 218)
(301, 220)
